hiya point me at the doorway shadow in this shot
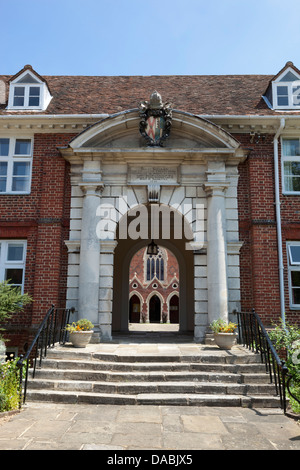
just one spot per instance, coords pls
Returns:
(154, 333)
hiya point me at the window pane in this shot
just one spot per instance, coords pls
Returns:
(292, 168)
(157, 268)
(282, 91)
(148, 269)
(3, 168)
(296, 95)
(292, 184)
(295, 253)
(34, 101)
(15, 276)
(3, 173)
(23, 147)
(34, 91)
(282, 96)
(4, 147)
(296, 296)
(162, 275)
(295, 278)
(20, 184)
(152, 268)
(19, 91)
(19, 96)
(283, 101)
(2, 185)
(290, 147)
(18, 101)
(21, 168)
(15, 252)
(34, 96)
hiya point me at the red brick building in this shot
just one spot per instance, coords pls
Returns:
(154, 287)
(67, 143)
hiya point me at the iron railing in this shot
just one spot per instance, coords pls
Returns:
(51, 331)
(252, 334)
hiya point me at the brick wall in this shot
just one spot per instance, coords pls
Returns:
(257, 225)
(42, 218)
(145, 288)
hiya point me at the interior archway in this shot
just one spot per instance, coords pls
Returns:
(155, 309)
(124, 251)
(134, 309)
(174, 309)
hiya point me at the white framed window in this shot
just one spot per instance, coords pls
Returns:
(290, 165)
(286, 90)
(27, 91)
(15, 165)
(293, 252)
(12, 262)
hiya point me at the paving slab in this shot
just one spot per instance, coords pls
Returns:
(46, 426)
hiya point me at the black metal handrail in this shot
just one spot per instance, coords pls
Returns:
(253, 335)
(51, 331)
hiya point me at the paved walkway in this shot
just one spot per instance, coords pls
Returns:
(44, 426)
(116, 428)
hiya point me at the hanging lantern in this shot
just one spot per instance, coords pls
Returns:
(152, 248)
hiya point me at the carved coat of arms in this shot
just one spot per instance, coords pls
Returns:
(156, 120)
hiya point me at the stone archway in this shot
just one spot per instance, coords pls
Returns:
(123, 253)
(110, 162)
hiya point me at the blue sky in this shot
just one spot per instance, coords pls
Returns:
(135, 37)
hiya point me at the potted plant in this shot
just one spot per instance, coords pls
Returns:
(80, 332)
(224, 333)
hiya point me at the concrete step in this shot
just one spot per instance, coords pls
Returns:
(194, 399)
(153, 366)
(202, 357)
(146, 376)
(153, 387)
(208, 377)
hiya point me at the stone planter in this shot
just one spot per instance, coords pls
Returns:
(80, 339)
(225, 340)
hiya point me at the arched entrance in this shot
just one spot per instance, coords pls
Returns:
(174, 309)
(111, 165)
(125, 250)
(153, 275)
(155, 309)
(134, 309)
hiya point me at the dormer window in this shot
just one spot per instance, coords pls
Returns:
(28, 91)
(283, 92)
(287, 91)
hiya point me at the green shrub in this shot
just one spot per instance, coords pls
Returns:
(287, 337)
(11, 301)
(2, 401)
(9, 385)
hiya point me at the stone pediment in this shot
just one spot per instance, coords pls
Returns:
(121, 131)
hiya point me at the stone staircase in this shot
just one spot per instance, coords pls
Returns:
(210, 378)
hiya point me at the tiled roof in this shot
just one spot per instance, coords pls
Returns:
(204, 95)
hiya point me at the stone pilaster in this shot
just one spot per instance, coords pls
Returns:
(216, 251)
(89, 267)
(106, 289)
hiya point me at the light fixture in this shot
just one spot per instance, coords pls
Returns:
(152, 248)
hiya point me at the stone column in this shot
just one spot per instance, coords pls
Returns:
(106, 289)
(88, 302)
(216, 252)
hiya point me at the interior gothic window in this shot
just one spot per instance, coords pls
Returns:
(155, 266)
